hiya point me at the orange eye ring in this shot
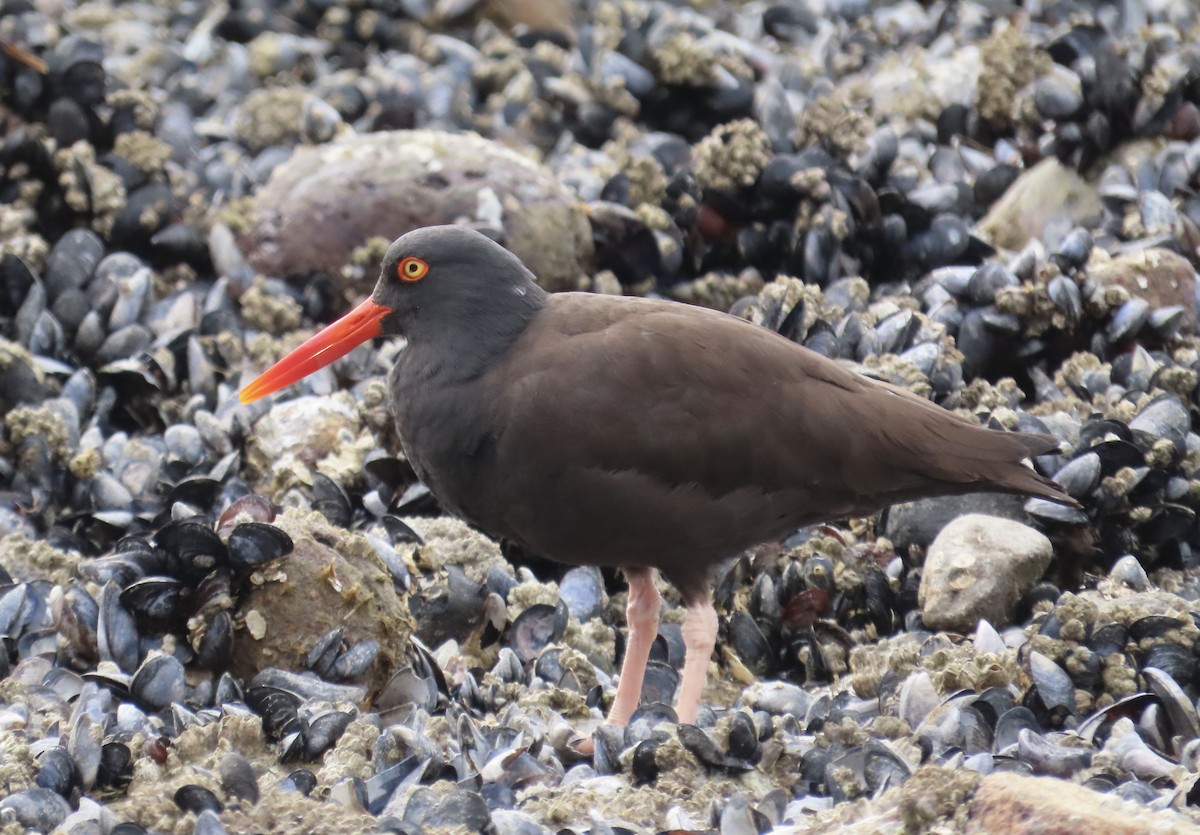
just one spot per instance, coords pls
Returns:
(411, 269)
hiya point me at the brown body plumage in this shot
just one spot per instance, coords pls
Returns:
(633, 432)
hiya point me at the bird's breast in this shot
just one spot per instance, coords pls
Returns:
(447, 432)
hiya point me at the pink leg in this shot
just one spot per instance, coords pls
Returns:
(699, 637)
(641, 613)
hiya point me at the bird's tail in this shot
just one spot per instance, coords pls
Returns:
(1026, 480)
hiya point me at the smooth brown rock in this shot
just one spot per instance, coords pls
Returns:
(1161, 277)
(326, 201)
(1006, 802)
(1003, 803)
(537, 15)
(331, 579)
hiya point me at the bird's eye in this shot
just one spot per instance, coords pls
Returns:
(412, 269)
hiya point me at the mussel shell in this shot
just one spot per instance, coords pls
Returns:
(331, 500)
(1048, 757)
(643, 766)
(582, 590)
(198, 492)
(208, 822)
(56, 771)
(883, 768)
(1153, 626)
(1009, 726)
(1128, 320)
(117, 635)
(1180, 709)
(407, 688)
(193, 549)
(1117, 454)
(215, 651)
(36, 809)
(228, 691)
(1164, 417)
(197, 799)
(706, 749)
(352, 663)
(278, 709)
(743, 738)
(1048, 511)
(258, 508)
(399, 532)
(1174, 660)
(660, 683)
(1110, 638)
(116, 766)
(1065, 295)
(747, 639)
(1053, 686)
(324, 731)
(159, 601)
(536, 628)
(252, 544)
(1080, 476)
(325, 651)
(159, 682)
(301, 780)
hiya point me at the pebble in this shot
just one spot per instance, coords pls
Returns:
(977, 569)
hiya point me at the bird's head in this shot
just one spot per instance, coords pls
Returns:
(440, 284)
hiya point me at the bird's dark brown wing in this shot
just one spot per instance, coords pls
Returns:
(698, 417)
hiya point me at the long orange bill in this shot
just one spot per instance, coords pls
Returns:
(337, 340)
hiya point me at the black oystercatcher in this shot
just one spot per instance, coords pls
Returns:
(640, 434)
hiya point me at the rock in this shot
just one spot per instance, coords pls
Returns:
(1000, 802)
(904, 89)
(309, 433)
(1007, 802)
(1161, 277)
(918, 523)
(326, 201)
(332, 578)
(977, 569)
(1049, 194)
(536, 15)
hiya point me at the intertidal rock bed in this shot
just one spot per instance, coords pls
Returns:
(227, 618)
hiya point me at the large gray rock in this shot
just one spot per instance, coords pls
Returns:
(977, 569)
(327, 200)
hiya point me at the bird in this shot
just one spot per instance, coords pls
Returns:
(640, 434)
